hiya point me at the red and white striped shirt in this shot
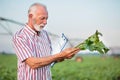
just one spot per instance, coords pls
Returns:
(28, 44)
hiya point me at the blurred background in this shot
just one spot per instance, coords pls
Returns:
(77, 19)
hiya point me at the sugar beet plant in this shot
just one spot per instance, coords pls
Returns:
(93, 43)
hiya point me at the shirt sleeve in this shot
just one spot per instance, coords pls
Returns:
(22, 49)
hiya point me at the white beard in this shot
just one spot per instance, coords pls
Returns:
(38, 27)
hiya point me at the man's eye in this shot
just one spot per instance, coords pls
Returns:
(42, 18)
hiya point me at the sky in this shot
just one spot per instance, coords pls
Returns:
(74, 18)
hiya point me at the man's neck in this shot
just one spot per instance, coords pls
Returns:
(31, 26)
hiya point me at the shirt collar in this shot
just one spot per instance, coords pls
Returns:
(31, 31)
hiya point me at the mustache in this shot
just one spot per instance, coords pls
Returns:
(42, 25)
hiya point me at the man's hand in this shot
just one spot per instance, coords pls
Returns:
(73, 54)
(69, 53)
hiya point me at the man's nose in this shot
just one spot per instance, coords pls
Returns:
(45, 21)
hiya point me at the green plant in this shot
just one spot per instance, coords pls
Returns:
(93, 43)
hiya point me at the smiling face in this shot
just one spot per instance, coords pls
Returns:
(38, 16)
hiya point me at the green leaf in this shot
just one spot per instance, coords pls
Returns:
(93, 44)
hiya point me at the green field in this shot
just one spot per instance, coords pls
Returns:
(91, 68)
(8, 67)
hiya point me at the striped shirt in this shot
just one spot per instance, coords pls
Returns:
(28, 44)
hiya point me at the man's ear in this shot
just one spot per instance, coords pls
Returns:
(30, 16)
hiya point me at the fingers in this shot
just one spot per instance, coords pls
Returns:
(72, 51)
(69, 53)
(70, 56)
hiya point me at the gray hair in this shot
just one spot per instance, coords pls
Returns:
(33, 7)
